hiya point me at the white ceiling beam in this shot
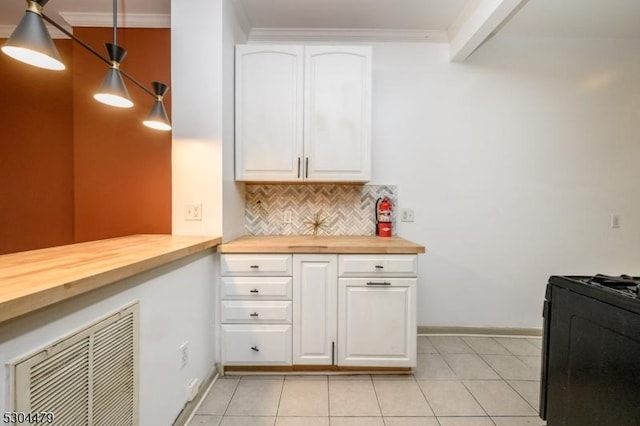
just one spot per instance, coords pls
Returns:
(476, 23)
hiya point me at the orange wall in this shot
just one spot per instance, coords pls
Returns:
(122, 168)
(72, 169)
(36, 154)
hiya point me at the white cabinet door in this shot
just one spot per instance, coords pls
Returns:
(315, 283)
(269, 97)
(337, 104)
(377, 322)
(277, 87)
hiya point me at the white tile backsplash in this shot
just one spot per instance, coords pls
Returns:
(347, 209)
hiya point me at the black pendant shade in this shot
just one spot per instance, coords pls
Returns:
(112, 91)
(31, 42)
(157, 118)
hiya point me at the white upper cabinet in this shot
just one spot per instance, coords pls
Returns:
(303, 113)
(269, 102)
(337, 113)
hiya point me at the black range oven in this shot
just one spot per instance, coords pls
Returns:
(591, 351)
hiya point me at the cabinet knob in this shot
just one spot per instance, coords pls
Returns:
(255, 348)
(255, 290)
(379, 267)
(254, 266)
(255, 314)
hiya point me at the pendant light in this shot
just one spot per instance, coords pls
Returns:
(157, 118)
(31, 42)
(112, 91)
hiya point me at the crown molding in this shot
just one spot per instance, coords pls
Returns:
(125, 20)
(345, 35)
(7, 30)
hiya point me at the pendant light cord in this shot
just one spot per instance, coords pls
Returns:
(115, 22)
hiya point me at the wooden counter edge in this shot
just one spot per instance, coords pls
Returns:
(14, 308)
(342, 245)
(332, 250)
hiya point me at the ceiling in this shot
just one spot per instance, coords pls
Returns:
(554, 18)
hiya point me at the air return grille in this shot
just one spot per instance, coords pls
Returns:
(89, 378)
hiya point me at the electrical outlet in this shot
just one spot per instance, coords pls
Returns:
(183, 355)
(286, 217)
(193, 211)
(407, 215)
(615, 221)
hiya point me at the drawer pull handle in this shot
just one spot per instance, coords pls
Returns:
(255, 314)
(379, 267)
(255, 290)
(254, 266)
(374, 283)
(255, 348)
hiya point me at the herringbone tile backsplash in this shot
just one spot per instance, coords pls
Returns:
(346, 209)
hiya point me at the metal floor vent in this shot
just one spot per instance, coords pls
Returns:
(88, 379)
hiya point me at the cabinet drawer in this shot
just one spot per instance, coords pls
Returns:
(256, 311)
(389, 265)
(256, 344)
(255, 264)
(256, 287)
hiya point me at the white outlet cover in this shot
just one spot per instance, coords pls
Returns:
(183, 355)
(193, 211)
(407, 215)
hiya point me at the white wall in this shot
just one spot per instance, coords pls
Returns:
(175, 306)
(514, 162)
(233, 192)
(203, 38)
(197, 111)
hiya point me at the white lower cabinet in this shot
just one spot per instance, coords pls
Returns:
(344, 310)
(256, 309)
(377, 322)
(315, 283)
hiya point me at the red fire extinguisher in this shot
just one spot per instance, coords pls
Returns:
(384, 209)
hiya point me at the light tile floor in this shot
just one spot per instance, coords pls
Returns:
(459, 381)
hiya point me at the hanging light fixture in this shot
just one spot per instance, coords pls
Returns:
(157, 118)
(31, 36)
(112, 91)
(31, 42)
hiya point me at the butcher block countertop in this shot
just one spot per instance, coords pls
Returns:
(320, 244)
(34, 279)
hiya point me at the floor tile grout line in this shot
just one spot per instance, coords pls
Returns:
(279, 401)
(426, 399)
(522, 396)
(443, 353)
(510, 351)
(235, 389)
(328, 397)
(463, 380)
(375, 392)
